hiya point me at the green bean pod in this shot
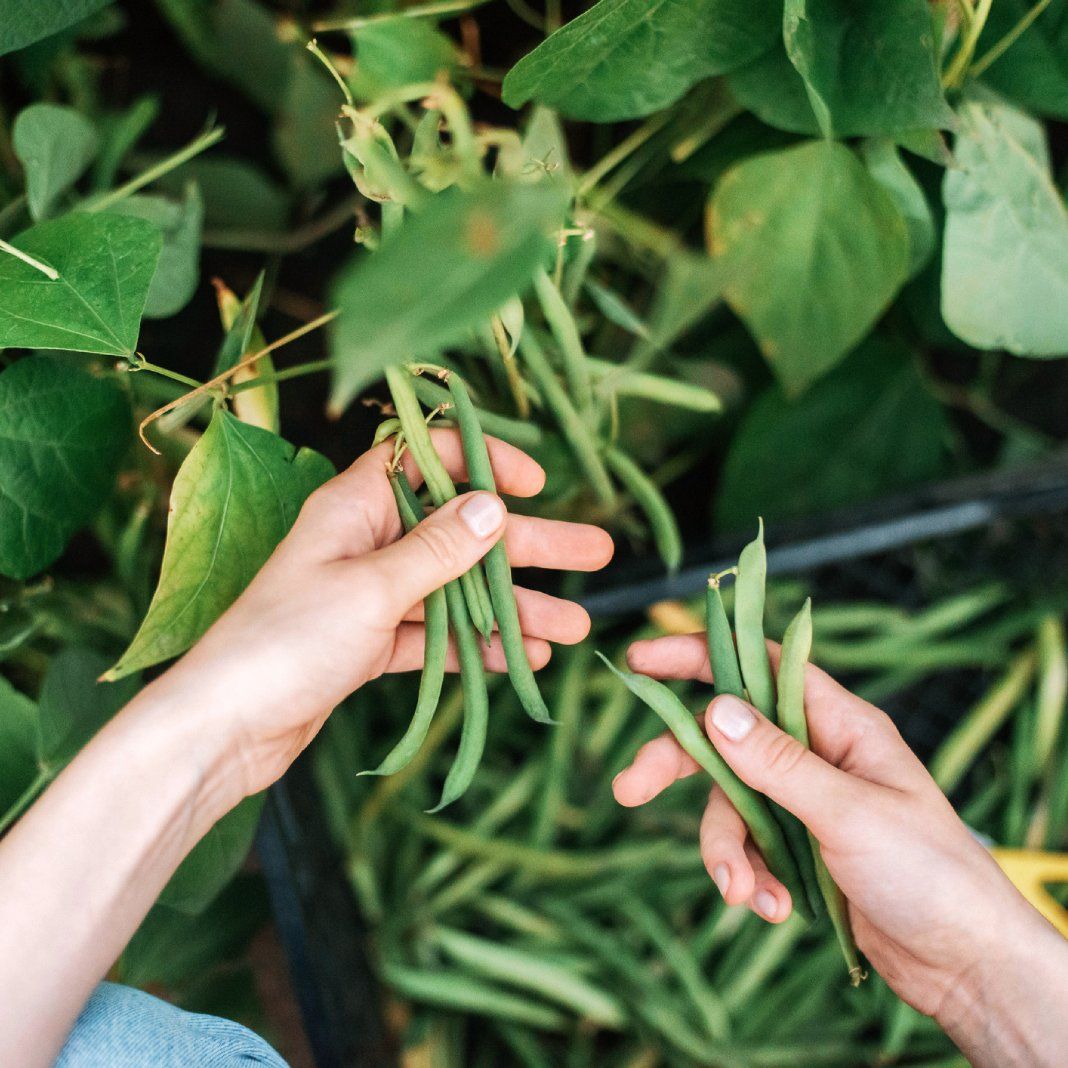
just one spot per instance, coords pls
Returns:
(648, 497)
(576, 431)
(796, 646)
(749, 625)
(726, 675)
(518, 432)
(766, 832)
(498, 570)
(565, 331)
(440, 485)
(435, 649)
(472, 679)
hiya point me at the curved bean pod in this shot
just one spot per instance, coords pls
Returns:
(436, 646)
(472, 679)
(648, 497)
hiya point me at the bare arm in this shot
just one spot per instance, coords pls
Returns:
(337, 604)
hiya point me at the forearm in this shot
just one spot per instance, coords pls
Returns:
(79, 872)
(1013, 1013)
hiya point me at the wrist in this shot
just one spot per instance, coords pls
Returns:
(182, 727)
(1007, 1010)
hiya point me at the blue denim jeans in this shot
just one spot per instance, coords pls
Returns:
(125, 1028)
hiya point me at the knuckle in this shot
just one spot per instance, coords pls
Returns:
(438, 543)
(783, 754)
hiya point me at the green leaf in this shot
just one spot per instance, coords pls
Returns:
(622, 59)
(18, 743)
(105, 264)
(63, 433)
(305, 135)
(234, 499)
(447, 269)
(74, 705)
(178, 270)
(1005, 250)
(239, 41)
(868, 68)
(887, 168)
(775, 93)
(236, 195)
(397, 52)
(1034, 70)
(54, 145)
(171, 950)
(215, 859)
(24, 21)
(871, 427)
(813, 251)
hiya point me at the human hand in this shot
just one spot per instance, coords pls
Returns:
(340, 602)
(930, 908)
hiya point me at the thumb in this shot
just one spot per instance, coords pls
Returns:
(450, 541)
(778, 765)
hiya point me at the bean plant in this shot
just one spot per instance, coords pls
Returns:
(705, 261)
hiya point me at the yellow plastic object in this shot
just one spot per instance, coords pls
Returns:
(1031, 871)
(674, 617)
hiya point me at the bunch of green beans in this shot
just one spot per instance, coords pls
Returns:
(741, 667)
(471, 606)
(594, 934)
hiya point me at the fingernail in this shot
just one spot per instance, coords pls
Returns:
(766, 903)
(483, 514)
(732, 717)
(721, 876)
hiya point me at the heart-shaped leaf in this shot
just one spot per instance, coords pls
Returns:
(63, 433)
(868, 68)
(55, 145)
(869, 428)
(234, 499)
(622, 59)
(105, 264)
(813, 250)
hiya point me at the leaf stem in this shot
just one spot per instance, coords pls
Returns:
(48, 272)
(313, 367)
(144, 365)
(998, 50)
(617, 155)
(313, 47)
(958, 68)
(437, 8)
(158, 170)
(220, 379)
